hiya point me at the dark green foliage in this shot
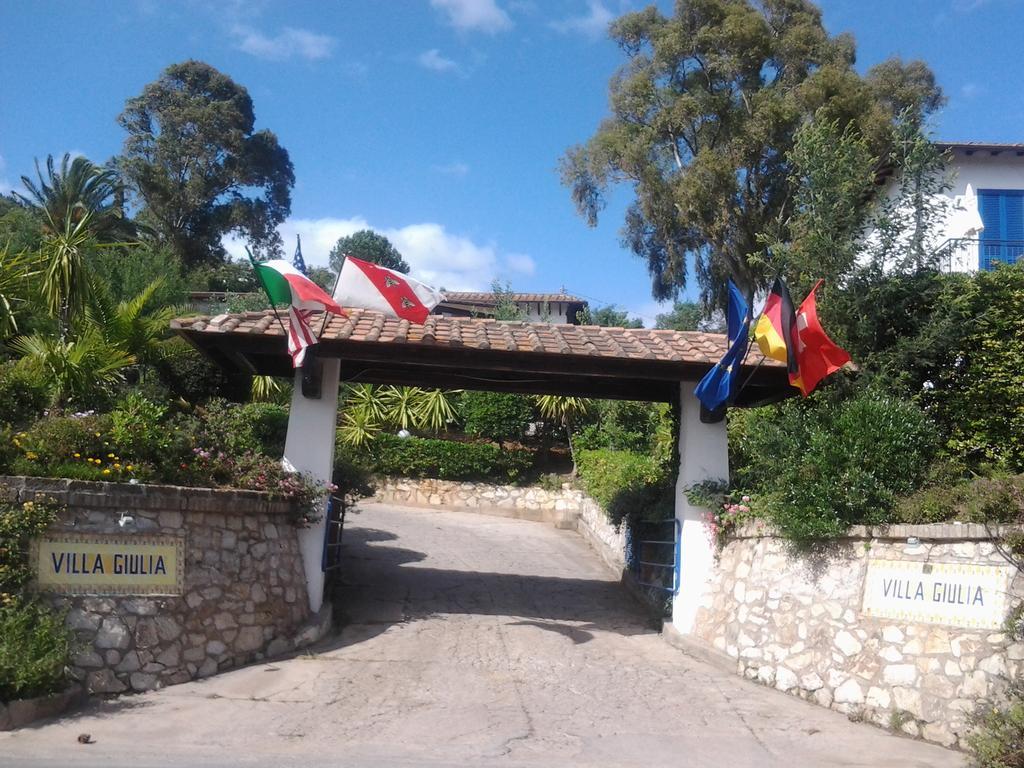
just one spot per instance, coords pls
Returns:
(352, 476)
(34, 643)
(126, 272)
(445, 459)
(998, 738)
(979, 395)
(323, 277)
(231, 276)
(34, 650)
(978, 500)
(190, 375)
(505, 306)
(238, 429)
(496, 416)
(609, 317)
(684, 316)
(23, 395)
(200, 168)
(620, 425)
(367, 245)
(819, 466)
(627, 484)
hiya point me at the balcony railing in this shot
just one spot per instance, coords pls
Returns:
(966, 254)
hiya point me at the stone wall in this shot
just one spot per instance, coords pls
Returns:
(524, 502)
(796, 623)
(244, 589)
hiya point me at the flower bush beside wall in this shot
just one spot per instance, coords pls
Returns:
(219, 444)
(627, 484)
(34, 644)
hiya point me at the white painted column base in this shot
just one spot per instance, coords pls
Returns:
(309, 447)
(703, 455)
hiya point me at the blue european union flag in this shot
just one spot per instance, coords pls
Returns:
(718, 386)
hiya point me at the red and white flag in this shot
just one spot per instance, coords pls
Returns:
(362, 284)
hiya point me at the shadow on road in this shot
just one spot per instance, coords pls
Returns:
(381, 585)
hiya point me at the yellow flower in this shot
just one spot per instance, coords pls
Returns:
(117, 466)
(110, 455)
(31, 455)
(97, 434)
(129, 467)
(78, 455)
(106, 471)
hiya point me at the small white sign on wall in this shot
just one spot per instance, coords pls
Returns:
(957, 594)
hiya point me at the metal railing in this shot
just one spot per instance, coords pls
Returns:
(966, 254)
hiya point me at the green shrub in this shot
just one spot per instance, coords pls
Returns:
(137, 427)
(622, 425)
(979, 397)
(445, 459)
(237, 429)
(819, 467)
(978, 500)
(627, 484)
(998, 738)
(19, 525)
(34, 650)
(496, 416)
(190, 375)
(23, 396)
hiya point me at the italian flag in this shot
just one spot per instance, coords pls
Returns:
(284, 284)
(362, 284)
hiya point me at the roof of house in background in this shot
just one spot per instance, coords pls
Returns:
(486, 297)
(970, 147)
(480, 353)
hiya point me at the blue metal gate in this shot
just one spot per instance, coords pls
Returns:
(335, 525)
(655, 549)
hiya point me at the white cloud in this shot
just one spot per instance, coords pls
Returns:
(457, 169)
(521, 263)
(289, 42)
(593, 24)
(970, 90)
(436, 256)
(5, 185)
(433, 60)
(482, 15)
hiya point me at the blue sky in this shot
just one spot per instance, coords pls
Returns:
(439, 122)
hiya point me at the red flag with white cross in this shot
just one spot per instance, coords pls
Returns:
(817, 355)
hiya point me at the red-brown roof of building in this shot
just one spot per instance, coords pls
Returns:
(486, 297)
(489, 334)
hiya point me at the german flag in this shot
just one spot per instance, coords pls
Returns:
(775, 331)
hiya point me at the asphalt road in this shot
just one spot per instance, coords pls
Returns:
(471, 641)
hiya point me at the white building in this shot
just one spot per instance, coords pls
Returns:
(560, 308)
(984, 222)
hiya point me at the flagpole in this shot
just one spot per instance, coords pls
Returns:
(337, 279)
(264, 287)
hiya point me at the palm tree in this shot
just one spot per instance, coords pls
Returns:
(131, 325)
(15, 270)
(563, 410)
(75, 369)
(79, 207)
(79, 189)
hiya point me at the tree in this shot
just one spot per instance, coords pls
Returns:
(609, 317)
(323, 277)
(684, 316)
(200, 169)
(15, 271)
(368, 246)
(79, 189)
(704, 114)
(505, 306)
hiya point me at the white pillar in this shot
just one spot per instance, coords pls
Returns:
(703, 455)
(309, 447)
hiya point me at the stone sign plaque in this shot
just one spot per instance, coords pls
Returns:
(957, 594)
(98, 564)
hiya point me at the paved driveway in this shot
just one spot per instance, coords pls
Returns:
(472, 641)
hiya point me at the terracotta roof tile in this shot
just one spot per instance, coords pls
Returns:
(488, 334)
(486, 297)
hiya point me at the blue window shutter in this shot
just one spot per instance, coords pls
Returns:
(1002, 211)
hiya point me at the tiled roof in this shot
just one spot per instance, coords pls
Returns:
(484, 297)
(486, 334)
(994, 146)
